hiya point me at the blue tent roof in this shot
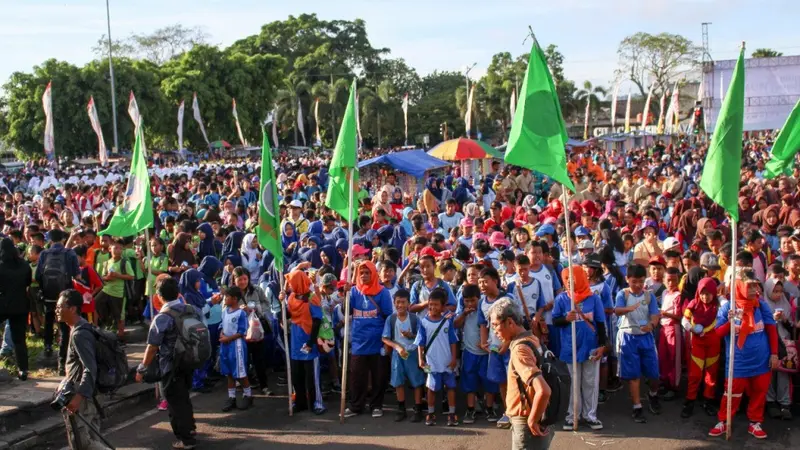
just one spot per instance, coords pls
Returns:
(576, 143)
(412, 162)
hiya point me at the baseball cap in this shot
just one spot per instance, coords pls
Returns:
(498, 238)
(585, 245)
(545, 229)
(296, 204)
(648, 224)
(429, 251)
(592, 260)
(329, 280)
(467, 222)
(709, 261)
(359, 249)
(657, 261)
(582, 231)
(670, 242)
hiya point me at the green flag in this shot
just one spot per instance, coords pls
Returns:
(343, 163)
(538, 134)
(269, 222)
(786, 146)
(721, 173)
(136, 211)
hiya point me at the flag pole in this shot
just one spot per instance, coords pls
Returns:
(350, 267)
(732, 338)
(149, 270)
(575, 393)
(286, 343)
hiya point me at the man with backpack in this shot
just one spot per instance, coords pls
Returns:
(57, 267)
(76, 393)
(172, 334)
(528, 399)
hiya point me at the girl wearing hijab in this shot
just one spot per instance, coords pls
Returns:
(208, 245)
(431, 197)
(233, 243)
(779, 395)
(210, 267)
(405, 224)
(755, 353)
(190, 285)
(699, 321)
(305, 309)
(254, 301)
(251, 255)
(290, 240)
(181, 257)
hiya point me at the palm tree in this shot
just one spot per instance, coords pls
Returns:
(380, 102)
(766, 53)
(329, 95)
(288, 98)
(594, 94)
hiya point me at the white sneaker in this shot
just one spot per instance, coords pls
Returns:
(377, 412)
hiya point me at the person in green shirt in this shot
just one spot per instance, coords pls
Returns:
(110, 302)
(158, 264)
(168, 233)
(102, 255)
(135, 257)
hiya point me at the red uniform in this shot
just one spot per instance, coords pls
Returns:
(704, 347)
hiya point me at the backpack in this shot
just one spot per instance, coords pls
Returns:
(417, 287)
(193, 346)
(54, 275)
(112, 362)
(393, 322)
(556, 375)
(130, 285)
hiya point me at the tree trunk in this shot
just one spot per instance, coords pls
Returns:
(379, 130)
(295, 130)
(333, 123)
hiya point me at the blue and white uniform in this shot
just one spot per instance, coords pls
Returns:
(636, 349)
(438, 352)
(474, 359)
(550, 284)
(233, 355)
(498, 362)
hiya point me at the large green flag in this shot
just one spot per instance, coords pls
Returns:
(136, 211)
(786, 146)
(269, 221)
(343, 163)
(538, 134)
(721, 173)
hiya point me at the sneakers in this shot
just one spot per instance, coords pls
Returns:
(654, 405)
(614, 386)
(377, 412)
(430, 420)
(320, 411)
(786, 413)
(417, 417)
(504, 422)
(720, 429)
(23, 376)
(350, 413)
(163, 405)
(230, 404)
(638, 415)
(688, 409)
(247, 402)
(452, 420)
(469, 417)
(491, 415)
(336, 388)
(773, 411)
(180, 445)
(568, 425)
(401, 415)
(602, 398)
(755, 430)
(595, 425)
(710, 408)
(266, 392)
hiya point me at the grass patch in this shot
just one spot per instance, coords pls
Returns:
(35, 348)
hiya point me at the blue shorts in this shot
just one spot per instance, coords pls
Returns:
(474, 371)
(406, 370)
(437, 380)
(497, 368)
(637, 356)
(233, 359)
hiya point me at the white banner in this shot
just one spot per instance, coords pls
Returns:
(316, 123)
(468, 116)
(180, 126)
(197, 118)
(95, 121)
(405, 116)
(663, 104)
(133, 110)
(646, 113)
(238, 127)
(300, 124)
(586, 119)
(273, 117)
(512, 105)
(628, 113)
(614, 104)
(49, 138)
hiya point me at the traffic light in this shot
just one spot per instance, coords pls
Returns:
(699, 126)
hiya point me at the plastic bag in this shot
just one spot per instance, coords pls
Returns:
(255, 331)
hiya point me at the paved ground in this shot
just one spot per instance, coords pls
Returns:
(267, 425)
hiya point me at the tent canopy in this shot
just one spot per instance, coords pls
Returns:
(412, 162)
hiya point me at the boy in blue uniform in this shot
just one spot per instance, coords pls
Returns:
(436, 347)
(590, 338)
(474, 359)
(638, 314)
(233, 349)
(399, 334)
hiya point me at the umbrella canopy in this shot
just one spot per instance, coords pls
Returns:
(462, 148)
(220, 144)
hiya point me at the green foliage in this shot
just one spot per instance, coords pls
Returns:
(766, 53)
(656, 58)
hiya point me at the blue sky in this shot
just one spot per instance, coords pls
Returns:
(432, 34)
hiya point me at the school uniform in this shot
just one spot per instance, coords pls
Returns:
(233, 355)
(438, 354)
(497, 367)
(636, 349)
(305, 365)
(474, 359)
(407, 369)
(550, 284)
(704, 348)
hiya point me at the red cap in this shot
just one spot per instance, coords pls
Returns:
(658, 260)
(359, 249)
(341, 284)
(429, 251)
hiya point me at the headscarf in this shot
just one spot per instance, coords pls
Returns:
(405, 224)
(461, 193)
(311, 255)
(432, 184)
(247, 249)
(691, 283)
(300, 298)
(748, 307)
(470, 210)
(378, 204)
(209, 267)
(685, 225)
(385, 234)
(190, 294)
(333, 257)
(207, 244)
(286, 240)
(179, 254)
(374, 286)
(580, 283)
(766, 228)
(315, 228)
(233, 243)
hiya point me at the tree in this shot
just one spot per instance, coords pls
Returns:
(595, 95)
(766, 53)
(658, 58)
(565, 89)
(437, 105)
(159, 46)
(378, 102)
(288, 98)
(330, 95)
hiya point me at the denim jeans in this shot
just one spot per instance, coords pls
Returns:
(8, 344)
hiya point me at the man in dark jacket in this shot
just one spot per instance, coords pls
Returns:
(78, 387)
(71, 270)
(175, 379)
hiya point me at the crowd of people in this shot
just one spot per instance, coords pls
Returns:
(651, 280)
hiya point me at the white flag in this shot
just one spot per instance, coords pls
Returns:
(49, 138)
(661, 113)
(468, 116)
(358, 123)
(669, 120)
(133, 110)
(238, 127)
(405, 116)
(512, 106)
(300, 124)
(273, 117)
(628, 113)
(197, 118)
(646, 112)
(318, 142)
(677, 110)
(180, 126)
(586, 119)
(95, 121)
(614, 104)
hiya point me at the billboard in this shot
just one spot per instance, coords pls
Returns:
(772, 88)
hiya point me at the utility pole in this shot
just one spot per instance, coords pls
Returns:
(707, 67)
(111, 74)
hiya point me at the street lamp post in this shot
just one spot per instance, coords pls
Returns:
(111, 74)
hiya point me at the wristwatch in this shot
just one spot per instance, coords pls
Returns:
(141, 368)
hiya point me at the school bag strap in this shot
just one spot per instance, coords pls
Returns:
(393, 322)
(434, 336)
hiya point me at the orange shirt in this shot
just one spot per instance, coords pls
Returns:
(522, 364)
(90, 253)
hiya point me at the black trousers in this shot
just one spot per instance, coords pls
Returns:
(181, 413)
(259, 359)
(18, 324)
(305, 380)
(366, 382)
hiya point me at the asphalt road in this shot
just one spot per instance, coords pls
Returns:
(267, 425)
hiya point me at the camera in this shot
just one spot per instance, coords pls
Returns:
(61, 400)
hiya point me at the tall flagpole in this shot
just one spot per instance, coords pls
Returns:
(733, 329)
(286, 343)
(350, 268)
(113, 90)
(575, 370)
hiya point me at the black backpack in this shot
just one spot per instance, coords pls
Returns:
(130, 285)
(556, 375)
(55, 279)
(112, 362)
